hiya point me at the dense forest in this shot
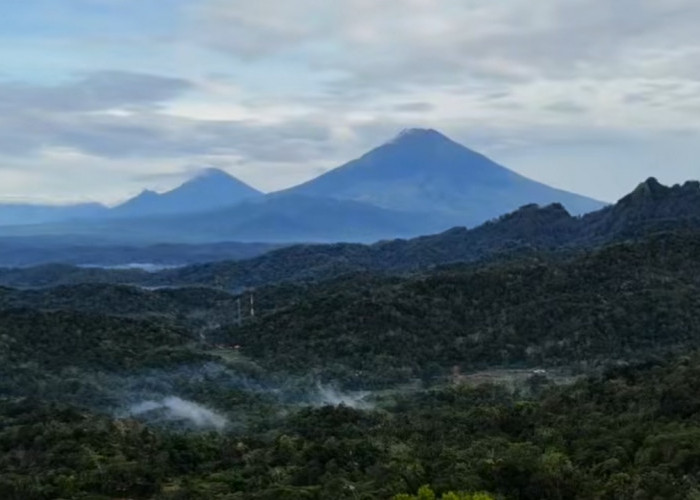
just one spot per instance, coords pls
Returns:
(630, 433)
(620, 303)
(541, 372)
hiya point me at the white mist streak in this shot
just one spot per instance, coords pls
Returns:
(179, 409)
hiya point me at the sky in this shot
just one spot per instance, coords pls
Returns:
(102, 98)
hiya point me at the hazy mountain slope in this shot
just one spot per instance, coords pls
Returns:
(24, 213)
(421, 182)
(529, 229)
(422, 170)
(271, 219)
(210, 189)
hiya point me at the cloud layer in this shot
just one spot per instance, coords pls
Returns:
(567, 92)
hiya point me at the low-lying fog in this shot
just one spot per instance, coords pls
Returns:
(212, 396)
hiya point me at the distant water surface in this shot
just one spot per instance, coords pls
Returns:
(143, 266)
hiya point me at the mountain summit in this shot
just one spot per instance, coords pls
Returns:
(419, 182)
(209, 189)
(423, 170)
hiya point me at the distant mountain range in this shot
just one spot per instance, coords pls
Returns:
(418, 183)
(650, 209)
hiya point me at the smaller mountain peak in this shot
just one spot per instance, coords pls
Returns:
(418, 132)
(650, 188)
(691, 186)
(147, 193)
(208, 181)
(652, 183)
(552, 212)
(209, 172)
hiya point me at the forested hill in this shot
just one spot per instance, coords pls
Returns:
(67, 377)
(650, 208)
(623, 302)
(109, 391)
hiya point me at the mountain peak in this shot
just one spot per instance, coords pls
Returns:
(650, 189)
(217, 179)
(654, 201)
(212, 173)
(418, 134)
(550, 212)
(147, 193)
(652, 185)
(209, 189)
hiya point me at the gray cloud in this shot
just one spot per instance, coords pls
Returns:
(413, 107)
(97, 91)
(145, 134)
(418, 41)
(565, 107)
(509, 76)
(115, 114)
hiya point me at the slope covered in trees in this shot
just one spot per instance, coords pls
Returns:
(112, 391)
(619, 303)
(631, 433)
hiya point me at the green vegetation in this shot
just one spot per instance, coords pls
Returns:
(632, 433)
(625, 302)
(111, 392)
(426, 493)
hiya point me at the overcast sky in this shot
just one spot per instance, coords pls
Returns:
(101, 98)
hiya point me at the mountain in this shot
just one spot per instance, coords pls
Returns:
(650, 207)
(209, 190)
(619, 302)
(424, 171)
(419, 183)
(283, 218)
(12, 214)
(530, 230)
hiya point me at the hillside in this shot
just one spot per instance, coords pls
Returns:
(623, 302)
(620, 303)
(107, 392)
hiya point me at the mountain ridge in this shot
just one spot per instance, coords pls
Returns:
(527, 231)
(420, 176)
